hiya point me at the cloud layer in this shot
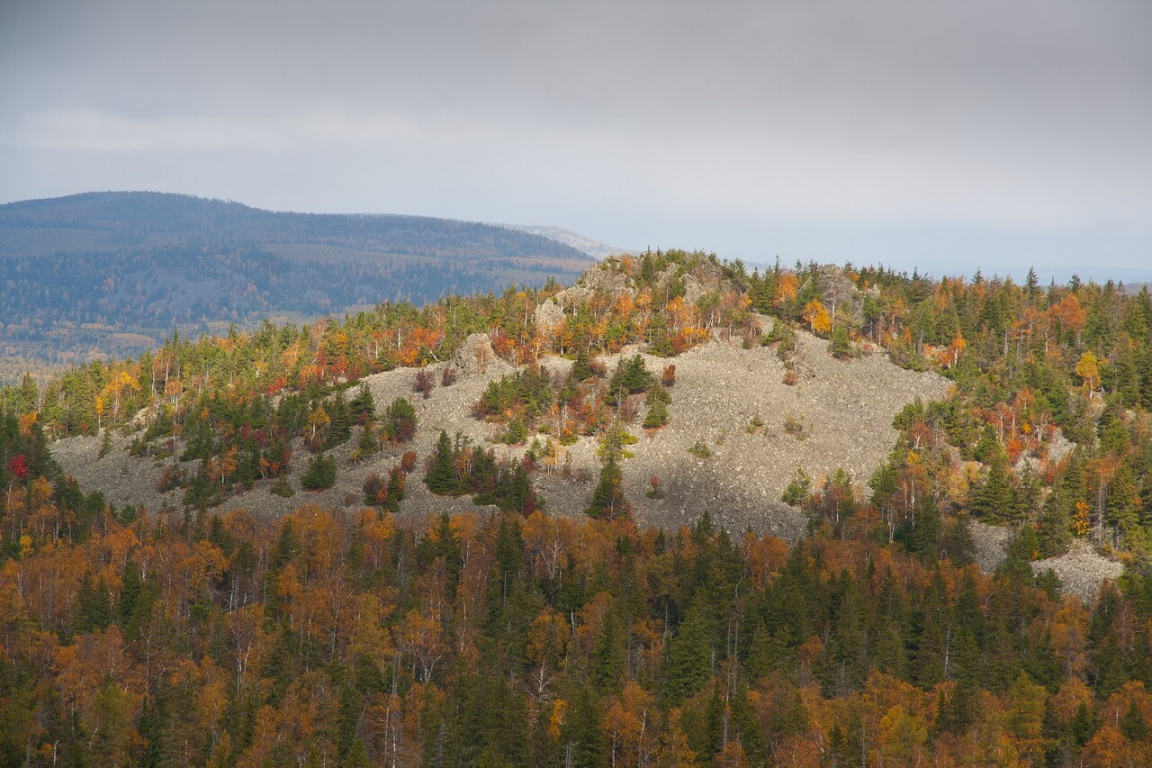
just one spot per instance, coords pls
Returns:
(1004, 130)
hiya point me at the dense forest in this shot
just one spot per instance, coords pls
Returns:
(364, 636)
(112, 274)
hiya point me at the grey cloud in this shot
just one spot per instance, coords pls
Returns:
(1007, 116)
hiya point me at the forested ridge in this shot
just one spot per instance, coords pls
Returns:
(361, 635)
(111, 274)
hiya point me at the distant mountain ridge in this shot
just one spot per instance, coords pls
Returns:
(119, 219)
(597, 249)
(113, 273)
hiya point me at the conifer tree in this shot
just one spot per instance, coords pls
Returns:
(441, 476)
(362, 408)
(320, 473)
(608, 499)
(368, 443)
(340, 427)
(687, 664)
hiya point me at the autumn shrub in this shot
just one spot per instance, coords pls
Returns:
(654, 491)
(793, 425)
(423, 384)
(171, 477)
(448, 376)
(375, 489)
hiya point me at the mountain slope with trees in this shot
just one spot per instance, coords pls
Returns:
(114, 273)
(356, 633)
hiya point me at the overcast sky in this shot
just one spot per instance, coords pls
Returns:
(948, 136)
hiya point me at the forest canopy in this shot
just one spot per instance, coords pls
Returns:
(362, 635)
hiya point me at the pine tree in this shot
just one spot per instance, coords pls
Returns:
(400, 421)
(362, 408)
(608, 499)
(657, 415)
(687, 664)
(340, 427)
(320, 473)
(1053, 534)
(841, 345)
(611, 654)
(631, 376)
(581, 366)
(368, 443)
(798, 489)
(994, 499)
(441, 477)
(658, 399)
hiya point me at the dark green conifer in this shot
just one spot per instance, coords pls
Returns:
(441, 476)
(608, 499)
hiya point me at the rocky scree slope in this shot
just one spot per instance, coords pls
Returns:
(844, 408)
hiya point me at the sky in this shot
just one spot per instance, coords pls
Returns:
(951, 137)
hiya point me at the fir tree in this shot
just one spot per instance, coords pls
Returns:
(368, 444)
(320, 473)
(687, 663)
(441, 476)
(608, 499)
(340, 427)
(362, 408)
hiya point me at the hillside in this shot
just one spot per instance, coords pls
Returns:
(720, 389)
(672, 514)
(112, 274)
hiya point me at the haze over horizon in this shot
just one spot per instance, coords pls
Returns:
(991, 136)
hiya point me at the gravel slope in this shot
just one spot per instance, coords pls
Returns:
(846, 409)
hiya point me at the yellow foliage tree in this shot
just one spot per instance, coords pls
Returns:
(1081, 523)
(1088, 369)
(786, 289)
(817, 317)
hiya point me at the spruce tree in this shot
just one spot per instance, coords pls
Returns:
(1053, 534)
(608, 499)
(320, 473)
(657, 399)
(687, 663)
(441, 477)
(362, 408)
(582, 367)
(368, 443)
(340, 427)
